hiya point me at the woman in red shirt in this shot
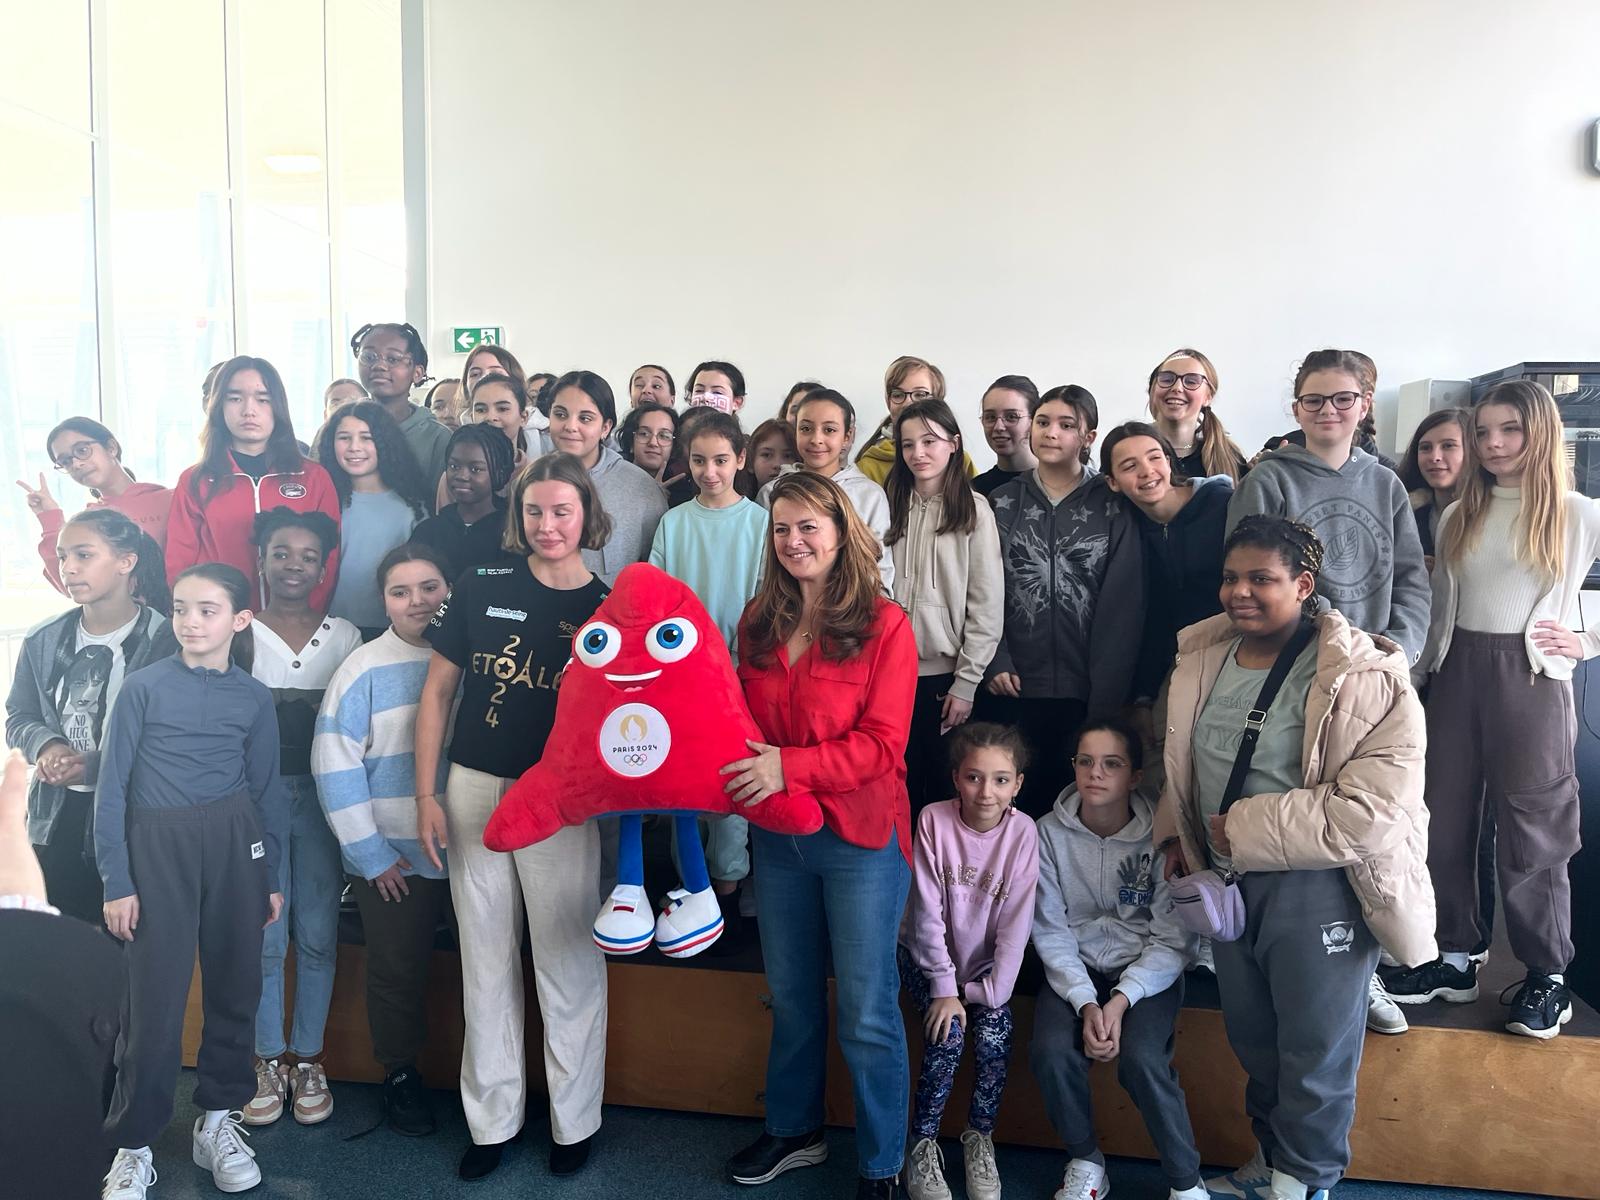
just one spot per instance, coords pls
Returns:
(829, 668)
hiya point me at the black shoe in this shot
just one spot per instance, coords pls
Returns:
(881, 1189)
(481, 1161)
(569, 1159)
(764, 1159)
(1436, 980)
(405, 1103)
(1540, 1008)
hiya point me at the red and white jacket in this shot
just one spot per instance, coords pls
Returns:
(218, 527)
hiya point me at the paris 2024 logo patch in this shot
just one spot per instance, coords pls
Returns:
(634, 740)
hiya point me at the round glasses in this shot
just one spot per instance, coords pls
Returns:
(900, 396)
(79, 453)
(1341, 401)
(1191, 380)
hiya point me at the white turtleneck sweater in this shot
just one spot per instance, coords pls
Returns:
(1498, 590)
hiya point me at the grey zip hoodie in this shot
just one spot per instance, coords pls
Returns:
(635, 503)
(1102, 904)
(1372, 568)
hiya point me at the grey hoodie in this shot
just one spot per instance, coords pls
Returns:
(1101, 904)
(1372, 568)
(634, 502)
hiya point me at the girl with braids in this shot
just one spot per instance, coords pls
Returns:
(1328, 837)
(469, 531)
(1182, 389)
(1513, 553)
(92, 458)
(249, 462)
(71, 669)
(382, 497)
(392, 358)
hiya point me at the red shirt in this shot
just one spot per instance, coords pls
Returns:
(219, 528)
(842, 727)
(145, 504)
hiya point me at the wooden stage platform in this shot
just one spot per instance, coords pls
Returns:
(1456, 1101)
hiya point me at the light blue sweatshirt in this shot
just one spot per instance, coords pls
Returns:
(718, 553)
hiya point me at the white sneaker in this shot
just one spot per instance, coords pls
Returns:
(222, 1152)
(1197, 1192)
(132, 1172)
(1203, 958)
(925, 1172)
(310, 1097)
(1287, 1187)
(1250, 1182)
(1383, 1014)
(689, 923)
(1084, 1180)
(625, 924)
(977, 1155)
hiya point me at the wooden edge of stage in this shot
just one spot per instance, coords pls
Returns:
(1446, 1107)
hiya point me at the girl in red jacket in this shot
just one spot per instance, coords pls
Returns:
(829, 669)
(249, 462)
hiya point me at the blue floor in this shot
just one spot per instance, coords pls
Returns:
(640, 1153)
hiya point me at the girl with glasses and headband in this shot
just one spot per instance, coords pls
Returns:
(391, 360)
(87, 453)
(1182, 389)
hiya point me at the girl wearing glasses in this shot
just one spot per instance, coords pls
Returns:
(908, 379)
(391, 360)
(1005, 427)
(1182, 388)
(648, 438)
(88, 454)
(1373, 573)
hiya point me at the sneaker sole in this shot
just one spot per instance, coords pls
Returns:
(1388, 1030)
(313, 1118)
(256, 1122)
(807, 1156)
(1448, 995)
(1544, 1035)
(690, 944)
(222, 1186)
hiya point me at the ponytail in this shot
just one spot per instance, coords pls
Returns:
(1218, 454)
(148, 583)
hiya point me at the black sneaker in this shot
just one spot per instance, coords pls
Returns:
(764, 1159)
(405, 1103)
(881, 1189)
(1540, 1008)
(1436, 980)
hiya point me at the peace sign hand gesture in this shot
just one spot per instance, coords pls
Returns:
(39, 499)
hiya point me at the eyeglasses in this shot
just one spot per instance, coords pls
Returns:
(1342, 401)
(1006, 418)
(664, 436)
(1191, 381)
(1111, 764)
(371, 358)
(79, 453)
(917, 396)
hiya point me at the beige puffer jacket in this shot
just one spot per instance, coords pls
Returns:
(1361, 806)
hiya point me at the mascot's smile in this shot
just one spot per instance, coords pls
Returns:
(639, 679)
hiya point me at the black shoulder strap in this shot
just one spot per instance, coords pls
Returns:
(1257, 716)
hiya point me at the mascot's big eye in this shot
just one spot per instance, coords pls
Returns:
(672, 639)
(597, 643)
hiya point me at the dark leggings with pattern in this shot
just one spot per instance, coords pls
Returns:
(991, 1049)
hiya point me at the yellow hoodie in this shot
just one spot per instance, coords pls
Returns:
(876, 460)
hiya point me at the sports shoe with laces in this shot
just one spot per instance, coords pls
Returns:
(1383, 1014)
(925, 1172)
(132, 1172)
(272, 1092)
(311, 1101)
(1540, 1008)
(1436, 980)
(222, 1152)
(1084, 1179)
(405, 1103)
(977, 1157)
(1253, 1181)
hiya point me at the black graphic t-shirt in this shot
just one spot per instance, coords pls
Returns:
(511, 636)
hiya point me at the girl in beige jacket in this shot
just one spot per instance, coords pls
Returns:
(1329, 838)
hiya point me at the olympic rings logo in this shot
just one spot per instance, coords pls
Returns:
(636, 759)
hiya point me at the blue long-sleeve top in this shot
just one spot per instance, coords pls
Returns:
(182, 737)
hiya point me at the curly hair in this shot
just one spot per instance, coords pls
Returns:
(318, 524)
(1297, 545)
(397, 465)
(630, 426)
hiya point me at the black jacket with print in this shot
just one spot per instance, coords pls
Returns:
(1074, 592)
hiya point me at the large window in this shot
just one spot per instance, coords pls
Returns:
(188, 179)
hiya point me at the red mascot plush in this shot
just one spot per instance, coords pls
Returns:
(648, 712)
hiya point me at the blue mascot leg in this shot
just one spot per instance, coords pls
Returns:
(691, 853)
(630, 849)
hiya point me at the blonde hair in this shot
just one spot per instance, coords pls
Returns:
(893, 378)
(1218, 454)
(1542, 523)
(557, 467)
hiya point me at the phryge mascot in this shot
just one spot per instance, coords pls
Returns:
(648, 711)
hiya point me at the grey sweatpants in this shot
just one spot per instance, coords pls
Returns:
(201, 879)
(1502, 737)
(1294, 1001)
(1144, 1068)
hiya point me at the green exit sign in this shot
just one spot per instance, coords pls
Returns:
(467, 338)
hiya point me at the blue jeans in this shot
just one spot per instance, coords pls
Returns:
(311, 879)
(817, 894)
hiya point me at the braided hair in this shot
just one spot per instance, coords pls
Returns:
(497, 449)
(1296, 544)
(415, 346)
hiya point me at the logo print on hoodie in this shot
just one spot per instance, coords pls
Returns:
(1360, 556)
(1138, 888)
(291, 491)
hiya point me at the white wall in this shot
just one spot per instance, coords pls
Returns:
(1067, 190)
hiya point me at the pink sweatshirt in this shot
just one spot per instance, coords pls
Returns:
(145, 504)
(971, 906)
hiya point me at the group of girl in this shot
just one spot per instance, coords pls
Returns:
(1044, 595)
